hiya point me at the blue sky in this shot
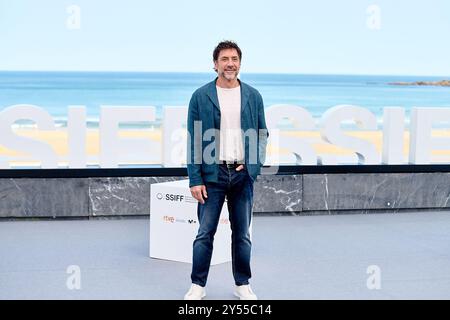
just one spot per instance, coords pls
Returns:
(282, 36)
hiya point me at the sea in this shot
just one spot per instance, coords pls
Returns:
(55, 91)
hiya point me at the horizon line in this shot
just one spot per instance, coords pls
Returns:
(204, 72)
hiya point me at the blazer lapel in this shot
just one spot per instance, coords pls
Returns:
(212, 93)
(244, 96)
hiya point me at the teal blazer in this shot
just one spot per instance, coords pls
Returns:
(204, 117)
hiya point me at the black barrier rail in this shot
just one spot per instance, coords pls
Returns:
(181, 172)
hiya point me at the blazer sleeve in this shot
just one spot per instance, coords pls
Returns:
(194, 144)
(263, 133)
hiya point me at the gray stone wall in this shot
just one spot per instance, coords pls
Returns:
(304, 194)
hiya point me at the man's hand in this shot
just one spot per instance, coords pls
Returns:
(198, 192)
(241, 166)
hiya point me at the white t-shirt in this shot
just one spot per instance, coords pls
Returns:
(231, 146)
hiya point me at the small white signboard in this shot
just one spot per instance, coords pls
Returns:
(174, 224)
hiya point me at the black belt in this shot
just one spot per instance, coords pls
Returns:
(231, 164)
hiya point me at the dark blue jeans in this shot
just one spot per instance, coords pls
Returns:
(237, 186)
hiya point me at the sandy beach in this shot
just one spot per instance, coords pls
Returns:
(58, 139)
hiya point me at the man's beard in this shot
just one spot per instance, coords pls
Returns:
(229, 76)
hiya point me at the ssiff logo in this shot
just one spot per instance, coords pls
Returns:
(174, 197)
(170, 197)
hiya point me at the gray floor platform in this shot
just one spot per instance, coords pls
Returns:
(303, 257)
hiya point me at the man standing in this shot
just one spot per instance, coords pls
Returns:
(225, 115)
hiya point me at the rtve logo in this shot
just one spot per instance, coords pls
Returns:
(171, 219)
(170, 197)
